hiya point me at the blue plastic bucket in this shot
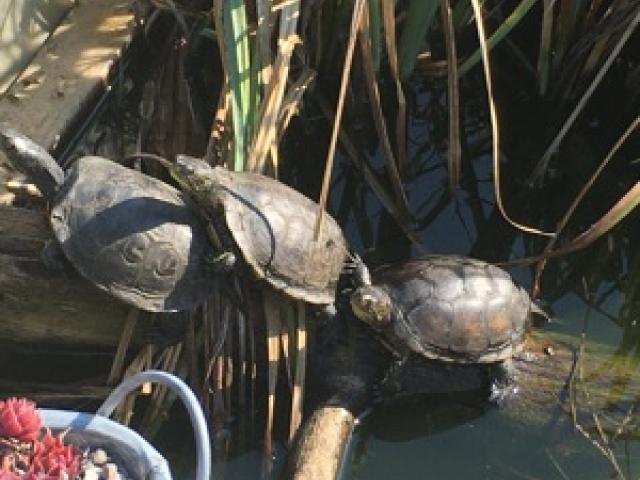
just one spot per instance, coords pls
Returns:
(138, 457)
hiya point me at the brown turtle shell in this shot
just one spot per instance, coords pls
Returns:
(273, 226)
(454, 308)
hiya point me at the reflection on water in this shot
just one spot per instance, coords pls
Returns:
(596, 292)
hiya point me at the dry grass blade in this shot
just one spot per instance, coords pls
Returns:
(545, 45)
(123, 346)
(389, 22)
(565, 27)
(541, 167)
(587, 186)
(264, 140)
(494, 124)
(287, 337)
(297, 395)
(161, 397)
(293, 97)
(378, 117)
(358, 7)
(142, 361)
(621, 209)
(555, 463)
(272, 317)
(192, 349)
(500, 34)
(455, 150)
(263, 38)
(370, 178)
(577, 378)
(270, 107)
(216, 147)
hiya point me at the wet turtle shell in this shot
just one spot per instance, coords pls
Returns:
(273, 227)
(130, 234)
(454, 308)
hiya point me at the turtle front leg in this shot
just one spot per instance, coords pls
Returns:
(503, 386)
(221, 262)
(222, 259)
(388, 387)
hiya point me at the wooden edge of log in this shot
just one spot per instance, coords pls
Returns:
(44, 306)
(322, 443)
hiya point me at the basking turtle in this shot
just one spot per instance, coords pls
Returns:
(271, 224)
(130, 234)
(447, 308)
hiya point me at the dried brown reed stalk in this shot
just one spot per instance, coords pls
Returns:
(494, 124)
(371, 85)
(389, 22)
(542, 164)
(611, 216)
(454, 156)
(358, 8)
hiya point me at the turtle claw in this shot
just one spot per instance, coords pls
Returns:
(223, 262)
(503, 383)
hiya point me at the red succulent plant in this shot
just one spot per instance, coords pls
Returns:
(8, 475)
(19, 419)
(26, 453)
(52, 459)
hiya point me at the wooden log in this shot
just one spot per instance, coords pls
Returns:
(41, 305)
(323, 439)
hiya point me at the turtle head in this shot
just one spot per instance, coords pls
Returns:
(372, 305)
(28, 157)
(192, 174)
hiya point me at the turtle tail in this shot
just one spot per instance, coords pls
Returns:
(28, 157)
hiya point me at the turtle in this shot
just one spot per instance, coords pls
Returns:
(134, 236)
(270, 225)
(448, 308)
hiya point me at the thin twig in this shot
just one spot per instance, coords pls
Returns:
(587, 186)
(358, 7)
(541, 167)
(494, 124)
(453, 95)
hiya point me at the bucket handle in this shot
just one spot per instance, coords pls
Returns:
(191, 403)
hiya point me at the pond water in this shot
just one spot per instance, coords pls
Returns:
(462, 436)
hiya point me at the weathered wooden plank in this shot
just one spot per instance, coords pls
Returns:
(69, 71)
(24, 27)
(41, 305)
(23, 232)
